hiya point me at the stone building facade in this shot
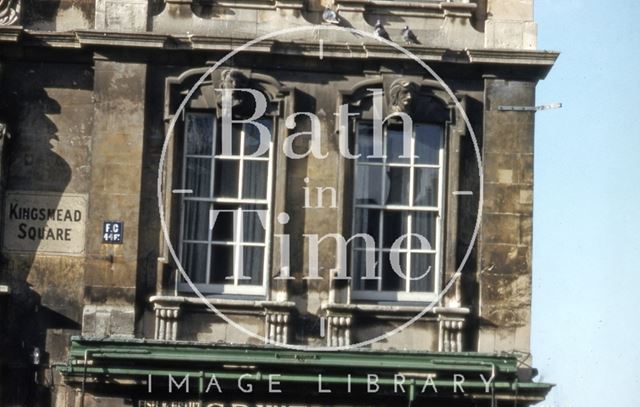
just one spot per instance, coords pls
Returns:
(105, 101)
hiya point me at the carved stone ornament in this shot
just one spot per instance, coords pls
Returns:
(339, 330)
(233, 79)
(166, 322)
(9, 11)
(401, 95)
(277, 326)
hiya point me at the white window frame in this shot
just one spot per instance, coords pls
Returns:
(407, 295)
(233, 287)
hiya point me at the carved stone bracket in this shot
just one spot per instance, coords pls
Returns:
(9, 11)
(451, 333)
(277, 326)
(339, 329)
(166, 321)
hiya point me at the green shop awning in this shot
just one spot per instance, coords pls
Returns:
(176, 370)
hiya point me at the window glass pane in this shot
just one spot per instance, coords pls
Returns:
(366, 143)
(394, 226)
(194, 262)
(424, 224)
(234, 140)
(425, 187)
(397, 186)
(395, 146)
(223, 225)
(366, 221)
(254, 184)
(253, 229)
(252, 137)
(221, 264)
(196, 215)
(198, 176)
(199, 129)
(369, 185)
(226, 182)
(252, 265)
(404, 186)
(360, 270)
(421, 264)
(391, 281)
(428, 139)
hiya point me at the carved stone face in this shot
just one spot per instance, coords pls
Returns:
(401, 95)
(233, 79)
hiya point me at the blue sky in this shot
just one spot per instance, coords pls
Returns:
(586, 300)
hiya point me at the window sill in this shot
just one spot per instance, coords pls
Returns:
(224, 303)
(396, 309)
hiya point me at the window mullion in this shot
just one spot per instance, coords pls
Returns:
(266, 256)
(238, 240)
(211, 187)
(410, 214)
(383, 210)
(439, 255)
(237, 247)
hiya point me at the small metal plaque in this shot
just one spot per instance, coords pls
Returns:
(112, 232)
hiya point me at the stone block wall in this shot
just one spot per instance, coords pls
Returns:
(504, 269)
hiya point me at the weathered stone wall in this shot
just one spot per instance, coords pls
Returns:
(505, 240)
(457, 25)
(58, 15)
(510, 24)
(50, 115)
(94, 129)
(116, 174)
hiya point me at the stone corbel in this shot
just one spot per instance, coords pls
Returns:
(339, 329)
(166, 321)
(277, 326)
(451, 330)
(10, 12)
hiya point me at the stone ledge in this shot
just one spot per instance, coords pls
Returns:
(399, 309)
(168, 300)
(426, 8)
(10, 33)
(512, 56)
(372, 48)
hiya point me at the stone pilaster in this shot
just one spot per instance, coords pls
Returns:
(504, 240)
(116, 169)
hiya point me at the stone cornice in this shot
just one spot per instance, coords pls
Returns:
(517, 57)
(420, 8)
(542, 60)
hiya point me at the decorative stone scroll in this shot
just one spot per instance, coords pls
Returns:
(339, 330)
(9, 11)
(277, 326)
(166, 321)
